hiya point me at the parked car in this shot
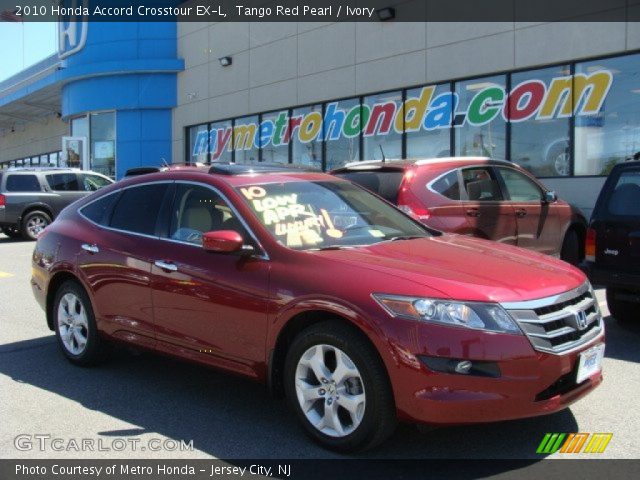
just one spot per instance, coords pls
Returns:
(613, 241)
(30, 198)
(358, 313)
(491, 199)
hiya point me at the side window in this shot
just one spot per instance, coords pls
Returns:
(98, 210)
(63, 182)
(481, 184)
(625, 199)
(138, 207)
(198, 209)
(520, 188)
(448, 185)
(23, 183)
(91, 183)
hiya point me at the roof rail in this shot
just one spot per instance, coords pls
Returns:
(249, 168)
(40, 169)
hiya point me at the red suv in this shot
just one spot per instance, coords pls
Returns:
(491, 199)
(359, 314)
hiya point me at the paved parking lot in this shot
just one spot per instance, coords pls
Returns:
(147, 397)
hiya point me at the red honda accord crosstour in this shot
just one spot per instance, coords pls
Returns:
(359, 314)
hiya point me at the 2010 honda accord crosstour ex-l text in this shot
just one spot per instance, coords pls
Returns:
(358, 314)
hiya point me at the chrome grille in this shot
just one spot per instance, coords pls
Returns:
(561, 323)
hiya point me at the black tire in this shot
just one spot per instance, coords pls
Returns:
(38, 217)
(621, 310)
(93, 351)
(379, 418)
(12, 232)
(570, 252)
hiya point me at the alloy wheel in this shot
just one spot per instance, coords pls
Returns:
(36, 225)
(562, 164)
(330, 390)
(72, 324)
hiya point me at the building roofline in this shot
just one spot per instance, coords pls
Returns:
(29, 74)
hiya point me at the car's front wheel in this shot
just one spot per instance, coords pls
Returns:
(339, 389)
(621, 310)
(75, 325)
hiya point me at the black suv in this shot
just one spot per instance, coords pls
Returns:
(30, 198)
(613, 241)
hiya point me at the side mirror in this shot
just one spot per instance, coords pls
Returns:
(222, 241)
(550, 197)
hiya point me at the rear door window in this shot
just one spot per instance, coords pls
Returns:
(138, 208)
(63, 182)
(385, 183)
(23, 183)
(481, 185)
(448, 185)
(625, 198)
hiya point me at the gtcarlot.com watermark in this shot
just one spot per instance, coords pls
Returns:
(42, 442)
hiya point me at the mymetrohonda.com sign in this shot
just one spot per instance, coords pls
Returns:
(562, 97)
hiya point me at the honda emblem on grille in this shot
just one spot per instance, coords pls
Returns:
(581, 319)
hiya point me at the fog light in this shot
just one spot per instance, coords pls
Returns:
(463, 367)
(459, 366)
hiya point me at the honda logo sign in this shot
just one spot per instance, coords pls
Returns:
(72, 28)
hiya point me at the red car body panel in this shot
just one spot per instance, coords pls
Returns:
(228, 311)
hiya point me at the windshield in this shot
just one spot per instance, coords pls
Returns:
(316, 215)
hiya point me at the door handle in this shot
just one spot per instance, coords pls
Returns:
(93, 248)
(473, 212)
(521, 212)
(166, 266)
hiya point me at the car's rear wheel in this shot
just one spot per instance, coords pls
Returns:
(339, 389)
(34, 223)
(75, 325)
(11, 232)
(621, 310)
(570, 252)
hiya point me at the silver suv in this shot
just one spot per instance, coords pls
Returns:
(30, 198)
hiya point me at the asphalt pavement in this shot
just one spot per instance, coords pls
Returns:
(150, 403)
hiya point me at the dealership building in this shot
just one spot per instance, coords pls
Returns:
(560, 99)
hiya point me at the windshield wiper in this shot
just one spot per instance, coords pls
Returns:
(405, 237)
(333, 247)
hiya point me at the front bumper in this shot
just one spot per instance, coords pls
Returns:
(530, 383)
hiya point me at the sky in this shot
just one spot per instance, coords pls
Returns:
(24, 43)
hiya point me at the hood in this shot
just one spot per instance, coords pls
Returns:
(461, 268)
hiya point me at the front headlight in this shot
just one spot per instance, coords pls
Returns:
(476, 315)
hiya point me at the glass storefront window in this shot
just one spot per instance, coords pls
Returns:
(383, 126)
(482, 131)
(103, 143)
(429, 135)
(80, 127)
(607, 113)
(198, 143)
(220, 141)
(274, 136)
(245, 142)
(341, 130)
(539, 139)
(306, 136)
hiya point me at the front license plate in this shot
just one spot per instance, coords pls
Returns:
(590, 362)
